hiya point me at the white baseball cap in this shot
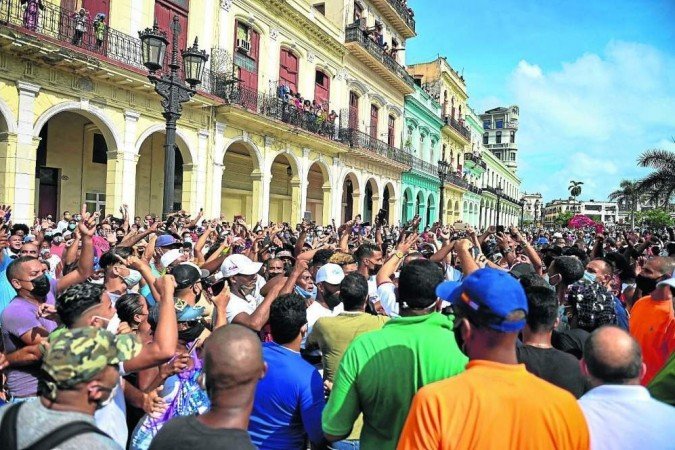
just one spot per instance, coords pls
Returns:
(330, 273)
(557, 235)
(170, 257)
(668, 282)
(239, 265)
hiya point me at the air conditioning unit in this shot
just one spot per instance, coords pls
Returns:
(243, 45)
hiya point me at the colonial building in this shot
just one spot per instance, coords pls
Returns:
(422, 136)
(533, 205)
(80, 122)
(501, 125)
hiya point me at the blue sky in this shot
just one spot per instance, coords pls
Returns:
(595, 80)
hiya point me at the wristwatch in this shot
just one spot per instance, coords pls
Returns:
(399, 255)
(506, 251)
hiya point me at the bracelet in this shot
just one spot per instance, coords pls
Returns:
(225, 251)
(399, 255)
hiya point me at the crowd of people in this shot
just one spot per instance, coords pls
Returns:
(312, 115)
(196, 333)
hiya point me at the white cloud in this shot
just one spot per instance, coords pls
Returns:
(589, 119)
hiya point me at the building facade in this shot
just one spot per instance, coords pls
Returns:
(501, 126)
(80, 122)
(556, 207)
(533, 205)
(422, 139)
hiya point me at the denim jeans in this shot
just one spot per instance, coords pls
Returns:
(346, 444)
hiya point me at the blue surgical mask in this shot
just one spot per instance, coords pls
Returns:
(589, 276)
(303, 293)
(133, 278)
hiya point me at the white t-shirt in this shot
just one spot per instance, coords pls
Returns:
(53, 262)
(387, 294)
(112, 418)
(372, 290)
(247, 305)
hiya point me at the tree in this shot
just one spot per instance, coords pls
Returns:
(627, 194)
(660, 184)
(655, 218)
(575, 188)
(563, 218)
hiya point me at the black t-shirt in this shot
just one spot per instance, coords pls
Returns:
(570, 341)
(554, 366)
(187, 433)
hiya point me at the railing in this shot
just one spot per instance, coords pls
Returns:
(354, 33)
(475, 159)
(424, 166)
(455, 179)
(359, 139)
(475, 189)
(404, 12)
(59, 24)
(461, 129)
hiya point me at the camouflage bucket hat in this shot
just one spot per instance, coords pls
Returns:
(76, 356)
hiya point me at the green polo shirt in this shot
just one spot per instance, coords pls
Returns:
(382, 370)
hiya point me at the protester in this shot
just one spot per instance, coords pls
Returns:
(613, 362)
(507, 407)
(80, 376)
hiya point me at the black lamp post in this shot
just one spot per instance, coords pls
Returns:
(498, 191)
(522, 211)
(172, 89)
(443, 168)
(536, 209)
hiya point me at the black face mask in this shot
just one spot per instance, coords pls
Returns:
(458, 338)
(192, 333)
(645, 284)
(40, 286)
(333, 300)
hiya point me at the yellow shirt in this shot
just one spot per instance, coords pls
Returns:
(494, 406)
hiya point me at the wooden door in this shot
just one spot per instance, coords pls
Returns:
(321, 88)
(374, 113)
(288, 70)
(390, 131)
(48, 197)
(353, 110)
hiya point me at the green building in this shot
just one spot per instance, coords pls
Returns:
(422, 139)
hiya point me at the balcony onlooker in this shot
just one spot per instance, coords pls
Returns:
(80, 19)
(31, 13)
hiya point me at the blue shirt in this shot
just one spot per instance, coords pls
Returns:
(621, 314)
(288, 401)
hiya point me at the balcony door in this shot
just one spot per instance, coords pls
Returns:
(353, 110)
(390, 131)
(288, 70)
(374, 113)
(246, 57)
(321, 88)
(165, 10)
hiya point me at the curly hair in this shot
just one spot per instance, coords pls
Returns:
(76, 299)
(288, 314)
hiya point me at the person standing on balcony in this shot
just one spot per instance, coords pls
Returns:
(80, 26)
(31, 13)
(99, 29)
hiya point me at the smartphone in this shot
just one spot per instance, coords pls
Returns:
(307, 217)
(500, 228)
(194, 347)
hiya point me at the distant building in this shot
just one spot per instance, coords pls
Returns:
(532, 209)
(501, 126)
(605, 212)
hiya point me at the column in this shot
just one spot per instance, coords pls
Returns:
(297, 206)
(215, 175)
(200, 172)
(216, 188)
(21, 157)
(327, 204)
(377, 204)
(260, 196)
(121, 179)
(393, 209)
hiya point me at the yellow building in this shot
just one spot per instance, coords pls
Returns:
(449, 89)
(80, 121)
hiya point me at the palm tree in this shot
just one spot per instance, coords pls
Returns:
(575, 188)
(660, 184)
(627, 194)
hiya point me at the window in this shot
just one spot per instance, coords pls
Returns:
(321, 8)
(500, 124)
(513, 156)
(513, 137)
(288, 70)
(246, 56)
(95, 201)
(165, 10)
(486, 138)
(99, 153)
(358, 12)
(498, 137)
(374, 113)
(353, 110)
(390, 131)
(486, 124)
(321, 88)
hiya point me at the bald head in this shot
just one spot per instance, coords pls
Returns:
(663, 265)
(612, 356)
(232, 359)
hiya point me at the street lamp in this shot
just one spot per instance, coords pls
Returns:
(498, 191)
(443, 168)
(522, 211)
(172, 89)
(536, 210)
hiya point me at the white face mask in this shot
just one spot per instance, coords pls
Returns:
(133, 278)
(114, 324)
(110, 399)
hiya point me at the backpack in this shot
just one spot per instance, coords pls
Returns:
(48, 442)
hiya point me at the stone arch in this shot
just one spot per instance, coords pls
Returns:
(91, 112)
(7, 118)
(287, 44)
(290, 157)
(250, 22)
(252, 148)
(350, 202)
(186, 150)
(377, 100)
(357, 86)
(395, 111)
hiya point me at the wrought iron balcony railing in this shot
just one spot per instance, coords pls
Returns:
(455, 179)
(354, 33)
(461, 129)
(359, 139)
(475, 159)
(424, 166)
(93, 39)
(404, 12)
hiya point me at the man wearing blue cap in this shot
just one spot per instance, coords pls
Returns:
(495, 403)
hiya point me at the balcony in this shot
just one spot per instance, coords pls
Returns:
(398, 14)
(474, 162)
(372, 55)
(324, 123)
(425, 167)
(360, 140)
(457, 180)
(56, 26)
(459, 128)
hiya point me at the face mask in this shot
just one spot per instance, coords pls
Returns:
(44, 251)
(110, 399)
(72, 227)
(40, 286)
(458, 338)
(590, 276)
(192, 333)
(553, 282)
(133, 278)
(57, 240)
(114, 324)
(645, 284)
(188, 240)
(333, 300)
(303, 293)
